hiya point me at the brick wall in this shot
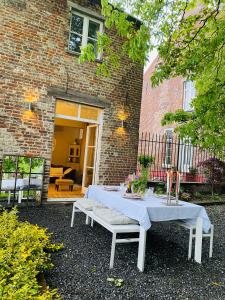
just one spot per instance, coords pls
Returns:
(167, 97)
(34, 57)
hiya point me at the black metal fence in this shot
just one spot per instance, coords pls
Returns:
(169, 151)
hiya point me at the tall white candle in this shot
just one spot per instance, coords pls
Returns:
(167, 182)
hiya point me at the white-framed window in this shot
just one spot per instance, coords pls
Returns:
(185, 154)
(189, 94)
(84, 30)
(169, 147)
(77, 112)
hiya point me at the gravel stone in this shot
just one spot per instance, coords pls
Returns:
(82, 267)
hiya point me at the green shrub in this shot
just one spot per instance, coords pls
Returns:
(23, 254)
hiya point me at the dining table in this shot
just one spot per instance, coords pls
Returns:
(153, 208)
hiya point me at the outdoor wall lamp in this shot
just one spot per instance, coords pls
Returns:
(29, 106)
(123, 124)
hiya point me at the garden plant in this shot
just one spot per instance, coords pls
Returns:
(24, 254)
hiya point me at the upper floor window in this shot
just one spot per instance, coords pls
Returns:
(83, 30)
(169, 147)
(189, 94)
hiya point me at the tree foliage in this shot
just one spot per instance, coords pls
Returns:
(189, 36)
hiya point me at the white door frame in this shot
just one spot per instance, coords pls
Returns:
(86, 155)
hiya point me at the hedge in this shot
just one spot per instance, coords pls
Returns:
(24, 253)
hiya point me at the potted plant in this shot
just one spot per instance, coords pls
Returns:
(191, 176)
(145, 161)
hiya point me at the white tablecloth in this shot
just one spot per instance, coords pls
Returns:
(149, 210)
(9, 184)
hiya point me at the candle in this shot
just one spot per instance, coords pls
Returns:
(177, 184)
(167, 182)
(171, 180)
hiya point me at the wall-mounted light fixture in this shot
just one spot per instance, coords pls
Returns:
(123, 124)
(29, 106)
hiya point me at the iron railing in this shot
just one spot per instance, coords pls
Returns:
(170, 151)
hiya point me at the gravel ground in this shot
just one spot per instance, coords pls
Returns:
(81, 269)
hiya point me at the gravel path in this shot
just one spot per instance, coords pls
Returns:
(81, 269)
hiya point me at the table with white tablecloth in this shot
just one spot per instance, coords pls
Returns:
(19, 185)
(153, 209)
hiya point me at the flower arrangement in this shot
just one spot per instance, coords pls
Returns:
(138, 181)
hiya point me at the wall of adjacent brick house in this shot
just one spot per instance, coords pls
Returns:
(167, 97)
(34, 57)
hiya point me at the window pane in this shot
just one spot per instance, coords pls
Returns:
(77, 24)
(90, 157)
(95, 44)
(75, 42)
(9, 164)
(189, 94)
(93, 29)
(24, 164)
(92, 137)
(37, 165)
(66, 108)
(88, 112)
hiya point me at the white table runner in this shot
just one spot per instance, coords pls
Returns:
(150, 210)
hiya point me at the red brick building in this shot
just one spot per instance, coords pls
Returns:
(160, 141)
(45, 90)
(172, 94)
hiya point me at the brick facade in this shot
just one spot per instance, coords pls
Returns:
(167, 97)
(34, 57)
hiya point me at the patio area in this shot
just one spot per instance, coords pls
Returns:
(82, 268)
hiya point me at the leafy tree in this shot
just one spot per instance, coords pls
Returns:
(189, 36)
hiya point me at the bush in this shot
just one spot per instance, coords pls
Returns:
(145, 160)
(23, 255)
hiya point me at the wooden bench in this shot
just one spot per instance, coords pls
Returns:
(91, 214)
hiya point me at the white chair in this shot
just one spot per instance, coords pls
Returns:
(192, 229)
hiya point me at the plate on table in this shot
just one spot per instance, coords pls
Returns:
(164, 197)
(132, 196)
(111, 188)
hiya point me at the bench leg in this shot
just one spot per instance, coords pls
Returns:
(211, 241)
(141, 249)
(198, 240)
(112, 251)
(73, 215)
(92, 222)
(190, 243)
(87, 222)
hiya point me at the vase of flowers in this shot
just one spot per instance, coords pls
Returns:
(140, 181)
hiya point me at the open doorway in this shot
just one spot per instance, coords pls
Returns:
(74, 151)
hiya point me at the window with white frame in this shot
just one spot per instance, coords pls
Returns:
(84, 30)
(189, 94)
(169, 147)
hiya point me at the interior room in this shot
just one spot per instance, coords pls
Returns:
(74, 149)
(67, 157)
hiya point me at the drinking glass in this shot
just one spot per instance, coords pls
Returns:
(123, 188)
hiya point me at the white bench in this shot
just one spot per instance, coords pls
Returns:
(192, 229)
(95, 215)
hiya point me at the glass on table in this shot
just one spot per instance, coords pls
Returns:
(123, 188)
(148, 192)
